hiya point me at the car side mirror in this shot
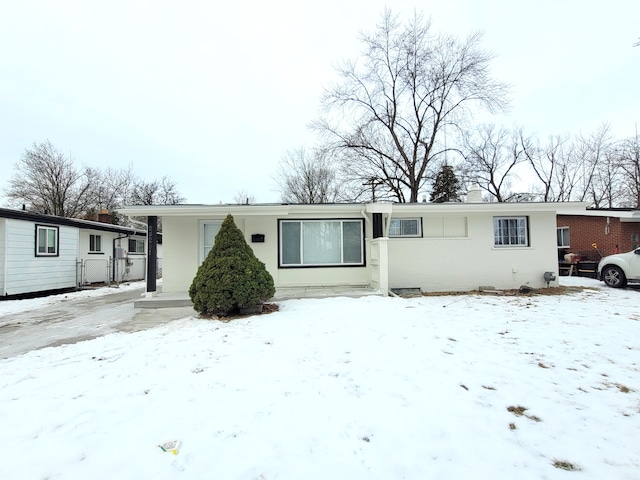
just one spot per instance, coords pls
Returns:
(637, 251)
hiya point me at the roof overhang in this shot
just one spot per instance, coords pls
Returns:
(72, 222)
(337, 208)
(623, 215)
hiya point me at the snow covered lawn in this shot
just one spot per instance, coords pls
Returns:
(442, 387)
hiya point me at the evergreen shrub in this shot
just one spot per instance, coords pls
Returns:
(231, 277)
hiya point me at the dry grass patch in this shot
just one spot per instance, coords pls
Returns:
(564, 465)
(517, 411)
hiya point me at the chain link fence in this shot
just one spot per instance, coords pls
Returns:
(97, 272)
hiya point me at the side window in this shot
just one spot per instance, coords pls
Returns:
(405, 227)
(511, 231)
(136, 246)
(563, 237)
(95, 243)
(46, 241)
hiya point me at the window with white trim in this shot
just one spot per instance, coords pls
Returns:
(563, 237)
(136, 246)
(209, 230)
(321, 243)
(95, 243)
(511, 231)
(46, 241)
(405, 227)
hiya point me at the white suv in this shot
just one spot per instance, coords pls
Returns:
(616, 270)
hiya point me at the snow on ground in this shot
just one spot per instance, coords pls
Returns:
(16, 306)
(342, 388)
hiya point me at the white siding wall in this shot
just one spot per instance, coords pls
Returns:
(135, 267)
(26, 273)
(463, 263)
(96, 264)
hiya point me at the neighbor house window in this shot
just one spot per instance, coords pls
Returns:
(136, 246)
(46, 241)
(511, 231)
(321, 243)
(563, 237)
(405, 227)
(95, 243)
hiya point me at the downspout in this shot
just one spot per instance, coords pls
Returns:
(142, 224)
(115, 257)
(362, 212)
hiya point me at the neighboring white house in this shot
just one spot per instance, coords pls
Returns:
(382, 246)
(41, 253)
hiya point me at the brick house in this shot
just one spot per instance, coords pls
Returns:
(613, 230)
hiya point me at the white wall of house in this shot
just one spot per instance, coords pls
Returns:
(25, 272)
(134, 266)
(448, 258)
(182, 238)
(96, 263)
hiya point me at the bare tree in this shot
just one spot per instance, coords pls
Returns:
(555, 166)
(156, 192)
(491, 157)
(47, 182)
(113, 187)
(596, 169)
(630, 164)
(307, 177)
(391, 107)
(243, 197)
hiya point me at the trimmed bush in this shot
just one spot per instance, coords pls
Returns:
(231, 277)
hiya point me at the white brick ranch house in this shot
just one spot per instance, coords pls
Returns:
(377, 246)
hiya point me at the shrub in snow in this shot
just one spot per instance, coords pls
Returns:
(231, 277)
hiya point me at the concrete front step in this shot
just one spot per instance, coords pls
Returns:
(181, 299)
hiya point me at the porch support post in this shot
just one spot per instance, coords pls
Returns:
(152, 253)
(384, 265)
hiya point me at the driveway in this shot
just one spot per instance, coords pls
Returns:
(78, 320)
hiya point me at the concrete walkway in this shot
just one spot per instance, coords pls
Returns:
(127, 311)
(80, 320)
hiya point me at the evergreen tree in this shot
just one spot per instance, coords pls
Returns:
(231, 277)
(446, 187)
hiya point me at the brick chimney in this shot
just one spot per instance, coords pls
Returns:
(105, 217)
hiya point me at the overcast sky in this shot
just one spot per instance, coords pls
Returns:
(213, 94)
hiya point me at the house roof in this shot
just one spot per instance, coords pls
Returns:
(74, 222)
(333, 208)
(624, 214)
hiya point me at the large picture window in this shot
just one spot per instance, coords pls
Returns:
(46, 241)
(511, 231)
(307, 243)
